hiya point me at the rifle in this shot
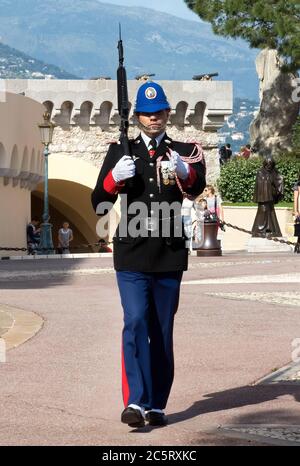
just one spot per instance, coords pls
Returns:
(123, 104)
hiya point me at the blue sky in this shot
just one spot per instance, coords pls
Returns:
(174, 7)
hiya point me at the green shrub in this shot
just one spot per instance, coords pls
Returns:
(237, 179)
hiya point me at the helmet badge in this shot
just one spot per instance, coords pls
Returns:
(150, 93)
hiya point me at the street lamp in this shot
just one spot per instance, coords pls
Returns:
(46, 131)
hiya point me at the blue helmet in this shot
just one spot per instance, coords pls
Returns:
(151, 98)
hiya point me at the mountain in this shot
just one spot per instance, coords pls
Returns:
(81, 36)
(15, 64)
(236, 129)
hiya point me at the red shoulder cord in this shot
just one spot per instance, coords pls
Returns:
(197, 155)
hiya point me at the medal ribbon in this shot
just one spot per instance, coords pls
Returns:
(197, 155)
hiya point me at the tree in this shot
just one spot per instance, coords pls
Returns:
(272, 24)
(296, 137)
(274, 27)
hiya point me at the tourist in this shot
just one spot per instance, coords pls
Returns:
(214, 202)
(65, 236)
(225, 154)
(246, 152)
(296, 190)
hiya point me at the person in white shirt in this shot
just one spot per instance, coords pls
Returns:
(65, 236)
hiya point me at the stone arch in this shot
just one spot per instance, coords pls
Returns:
(25, 163)
(197, 117)
(25, 160)
(116, 117)
(178, 118)
(15, 161)
(48, 106)
(70, 192)
(84, 117)
(3, 155)
(103, 118)
(63, 119)
(61, 210)
(70, 201)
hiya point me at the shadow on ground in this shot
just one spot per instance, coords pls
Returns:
(240, 397)
(46, 273)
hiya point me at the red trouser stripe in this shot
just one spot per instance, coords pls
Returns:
(125, 386)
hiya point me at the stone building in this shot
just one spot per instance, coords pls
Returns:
(86, 118)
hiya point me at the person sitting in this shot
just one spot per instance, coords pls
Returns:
(33, 235)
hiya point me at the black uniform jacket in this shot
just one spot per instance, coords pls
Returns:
(145, 252)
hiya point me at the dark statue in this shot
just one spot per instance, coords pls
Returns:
(267, 192)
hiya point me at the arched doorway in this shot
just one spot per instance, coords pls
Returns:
(68, 201)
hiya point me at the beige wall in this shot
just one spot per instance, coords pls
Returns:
(14, 215)
(20, 145)
(244, 217)
(81, 140)
(21, 166)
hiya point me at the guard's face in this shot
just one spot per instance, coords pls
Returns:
(153, 124)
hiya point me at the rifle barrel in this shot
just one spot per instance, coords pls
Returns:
(123, 104)
(120, 48)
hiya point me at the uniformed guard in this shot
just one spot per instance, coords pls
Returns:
(149, 264)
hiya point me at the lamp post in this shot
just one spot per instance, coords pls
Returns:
(46, 131)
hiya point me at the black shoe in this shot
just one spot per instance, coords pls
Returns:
(156, 419)
(132, 417)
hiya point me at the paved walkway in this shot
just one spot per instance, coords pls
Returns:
(237, 323)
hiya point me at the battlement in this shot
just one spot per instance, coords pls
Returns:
(203, 105)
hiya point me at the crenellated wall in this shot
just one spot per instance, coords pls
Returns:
(86, 115)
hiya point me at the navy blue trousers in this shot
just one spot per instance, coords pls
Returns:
(149, 301)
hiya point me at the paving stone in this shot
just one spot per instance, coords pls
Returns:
(276, 435)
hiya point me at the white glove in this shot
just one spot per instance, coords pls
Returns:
(124, 169)
(181, 168)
